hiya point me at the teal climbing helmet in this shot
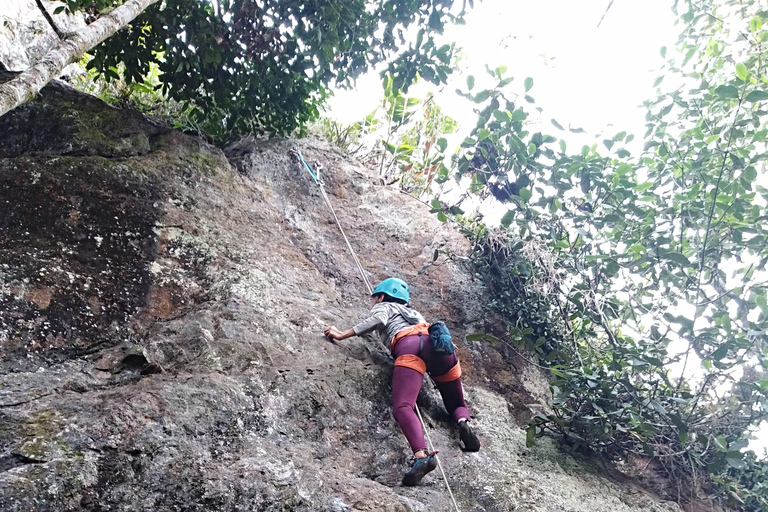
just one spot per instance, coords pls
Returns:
(395, 288)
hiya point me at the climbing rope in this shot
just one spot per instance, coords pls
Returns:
(316, 177)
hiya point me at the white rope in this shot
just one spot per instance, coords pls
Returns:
(349, 245)
(370, 290)
(440, 466)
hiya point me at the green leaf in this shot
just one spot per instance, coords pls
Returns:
(470, 82)
(677, 258)
(519, 115)
(442, 217)
(754, 96)
(642, 187)
(736, 446)
(525, 194)
(656, 406)
(749, 174)
(720, 352)
(528, 84)
(530, 436)
(501, 116)
(741, 72)
(482, 96)
(728, 92)
(508, 218)
(720, 443)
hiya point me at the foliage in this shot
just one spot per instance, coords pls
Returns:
(412, 149)
(143, 96)
(404, 139)
(348, 138)
(518, 276)
(747, 486)
(255, 67)
(660, 291)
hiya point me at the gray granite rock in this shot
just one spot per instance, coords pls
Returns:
(161, 313)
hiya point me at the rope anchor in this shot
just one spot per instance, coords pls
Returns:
(316, 177)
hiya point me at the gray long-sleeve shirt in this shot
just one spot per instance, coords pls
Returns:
(388, 318)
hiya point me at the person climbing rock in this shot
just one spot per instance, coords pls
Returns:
(405, 331)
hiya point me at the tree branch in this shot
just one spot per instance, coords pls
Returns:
(706, 233)
(49, 18)
(28, 83)
(610, 4)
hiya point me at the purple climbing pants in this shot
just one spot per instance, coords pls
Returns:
(406, 383)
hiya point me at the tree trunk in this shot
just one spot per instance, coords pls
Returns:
(28, 83)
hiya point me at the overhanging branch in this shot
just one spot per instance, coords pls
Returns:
(28, 83)
(49, 18)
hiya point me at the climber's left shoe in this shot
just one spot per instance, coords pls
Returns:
(419, 468)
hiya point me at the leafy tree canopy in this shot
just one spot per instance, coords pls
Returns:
(249, 66)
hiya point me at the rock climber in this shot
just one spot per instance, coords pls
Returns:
(404, 330)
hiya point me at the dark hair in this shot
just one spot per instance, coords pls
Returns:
(388, 298)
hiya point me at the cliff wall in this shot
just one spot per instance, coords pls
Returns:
(161, 314)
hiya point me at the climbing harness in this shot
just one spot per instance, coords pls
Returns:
(316, 177)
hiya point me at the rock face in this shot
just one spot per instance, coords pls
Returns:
(161, 314)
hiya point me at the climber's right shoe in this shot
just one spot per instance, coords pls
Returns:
(419, 468)
(468, 438)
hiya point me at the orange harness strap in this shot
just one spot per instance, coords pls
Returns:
(413, 362)
(451, 375)
(422, 328)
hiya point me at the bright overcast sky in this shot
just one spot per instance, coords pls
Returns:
(584, 76)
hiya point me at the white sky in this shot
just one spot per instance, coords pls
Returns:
(586, 76)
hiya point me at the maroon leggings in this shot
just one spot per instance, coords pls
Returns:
(406, 383)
